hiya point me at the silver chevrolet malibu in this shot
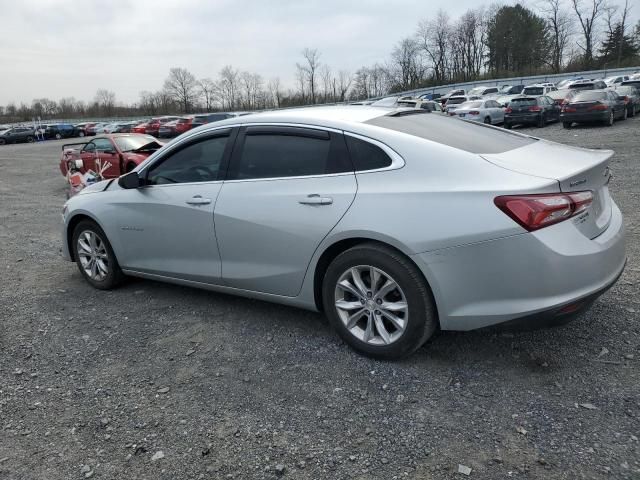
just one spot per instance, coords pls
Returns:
(393, 222)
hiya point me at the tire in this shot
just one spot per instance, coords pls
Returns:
(610, 120)
(58, 136)
(101, 280)
(487, 120)
(3, 141)
(81, 134)
(507, 125)
(567, 125)
(625, 114)
(411, 303)
(542, 121)
(632, 111)
(30, 139)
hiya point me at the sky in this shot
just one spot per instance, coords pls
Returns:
(70, 48)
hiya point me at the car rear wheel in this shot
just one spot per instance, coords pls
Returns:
(507, 125)
(81, 134)
(487, 120)
(58, 136)
(610, 120)
(94, 256)
(2, 141)
(378, 302)
(567, 125)
(542, 121)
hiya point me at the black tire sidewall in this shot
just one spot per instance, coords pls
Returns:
(114, 277)
(422, 317)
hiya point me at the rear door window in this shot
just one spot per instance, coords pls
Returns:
(279, 152)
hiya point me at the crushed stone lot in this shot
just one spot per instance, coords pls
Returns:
(155, 381)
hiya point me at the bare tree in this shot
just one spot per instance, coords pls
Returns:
(433, 36)
(208, 93)
(310, 69)
(275, 92)
(406, 64)
(181, 85)
(105, 101)
(345, 79)
(252, 86)
(229, 86)
(560, 24)
(588, 16)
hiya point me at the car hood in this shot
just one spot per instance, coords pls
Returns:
(95, 187)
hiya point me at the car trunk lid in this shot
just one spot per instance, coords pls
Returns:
(575, 169)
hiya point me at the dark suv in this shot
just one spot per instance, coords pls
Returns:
(60, 130)
(531, 110)
(17, 135)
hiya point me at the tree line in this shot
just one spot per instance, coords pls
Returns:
(554, 36)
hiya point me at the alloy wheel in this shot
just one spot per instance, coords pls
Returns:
(371, 305)
(92, 253)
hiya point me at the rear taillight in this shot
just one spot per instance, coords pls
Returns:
(534, 212)
(474, 112)
(626, 99)
(599, 107)
(535, 108)
(567, 108)
(508, 110)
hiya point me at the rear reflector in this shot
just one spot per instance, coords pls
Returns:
(534, 212)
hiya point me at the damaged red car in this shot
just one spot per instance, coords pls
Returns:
(108, 155)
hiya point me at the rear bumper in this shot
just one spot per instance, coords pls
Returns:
(584, 117)
(530, 276)
(522, 118)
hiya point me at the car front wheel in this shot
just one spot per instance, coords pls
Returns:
(94, 256)
(378, 302)
(611, 119)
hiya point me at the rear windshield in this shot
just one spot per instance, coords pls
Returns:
(523, 101)
(586, 96)
(456, 101)
(582, 86)
(472, 105)
(533, 91)
(468, 136)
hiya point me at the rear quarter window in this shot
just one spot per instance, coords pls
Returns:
(461, 134)
(365, 155)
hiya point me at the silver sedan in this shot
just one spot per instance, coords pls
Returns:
(485, 111)
(394, 222)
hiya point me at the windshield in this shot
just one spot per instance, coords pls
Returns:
(126, 144)
(582, 86)
(533, 91)
(590, 96)
(456, 100)
(476, 91)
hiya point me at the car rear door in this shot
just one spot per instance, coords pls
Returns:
(286, 189)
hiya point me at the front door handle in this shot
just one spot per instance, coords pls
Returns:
(316, 199)
(198, 200)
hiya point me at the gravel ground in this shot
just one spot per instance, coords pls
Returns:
(156, 381)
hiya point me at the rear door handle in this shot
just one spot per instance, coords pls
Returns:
(198, 200)
(316, 199)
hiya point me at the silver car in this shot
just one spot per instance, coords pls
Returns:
(394, 222)
(485, 111)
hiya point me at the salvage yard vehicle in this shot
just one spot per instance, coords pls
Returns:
(485, 111)
(632, 95)
(152, 127)
(600, 106)
(423, 104)
(123, 152)
(60, 130)
(482, 91)
(454, 102)
(17, 135)
(527, 110)
(538, 89)
(394, 222)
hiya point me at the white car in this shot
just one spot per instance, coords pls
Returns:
(485, 111)
(482, 91)
(617, 80)
(455, 102)
(539, 89)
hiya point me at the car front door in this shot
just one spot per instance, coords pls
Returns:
(166, 227)
(100, 156)
(286, 189)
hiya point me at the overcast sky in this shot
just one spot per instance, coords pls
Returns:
(62, 48)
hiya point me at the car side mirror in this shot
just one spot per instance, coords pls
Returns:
(130, 180)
